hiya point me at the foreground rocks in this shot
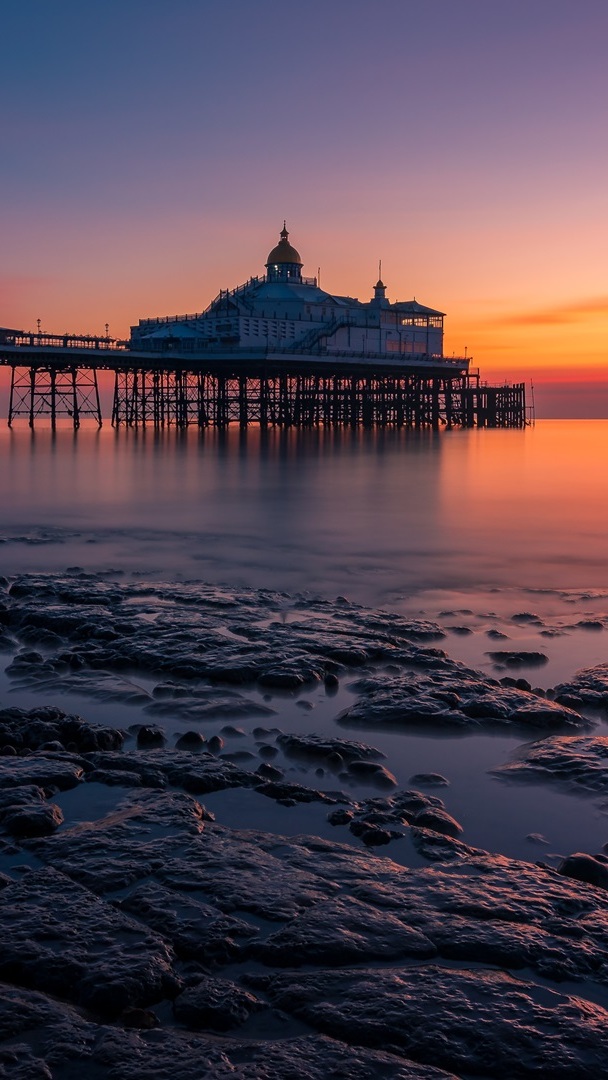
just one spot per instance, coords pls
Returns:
(577, 763)
(209, 647)
(155, 941)
(140, 937)
(453, 697)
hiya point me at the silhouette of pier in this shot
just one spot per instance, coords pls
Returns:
(54, 376)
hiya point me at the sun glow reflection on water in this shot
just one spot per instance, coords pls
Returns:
(372, 514)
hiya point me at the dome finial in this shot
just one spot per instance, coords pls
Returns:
(284, 234)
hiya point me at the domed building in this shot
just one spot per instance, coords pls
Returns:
(283, 312)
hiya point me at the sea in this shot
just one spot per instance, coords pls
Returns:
(472, 529)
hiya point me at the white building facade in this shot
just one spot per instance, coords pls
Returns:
(286, 312)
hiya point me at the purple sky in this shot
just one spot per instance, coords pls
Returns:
(151, 150)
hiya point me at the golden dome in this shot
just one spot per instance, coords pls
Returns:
(284, 252)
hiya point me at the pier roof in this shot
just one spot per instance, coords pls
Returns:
(414, 308)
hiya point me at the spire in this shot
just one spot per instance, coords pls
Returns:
(380, 289)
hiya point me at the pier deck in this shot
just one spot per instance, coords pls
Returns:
(56, 375)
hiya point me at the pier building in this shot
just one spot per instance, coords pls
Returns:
(276, 351)
(283, 309)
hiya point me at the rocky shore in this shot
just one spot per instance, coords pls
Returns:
(144, 937)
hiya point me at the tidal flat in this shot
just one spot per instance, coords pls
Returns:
(241, 836)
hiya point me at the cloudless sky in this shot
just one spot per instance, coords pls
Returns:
(150, 150)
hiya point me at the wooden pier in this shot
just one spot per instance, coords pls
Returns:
(56, 376)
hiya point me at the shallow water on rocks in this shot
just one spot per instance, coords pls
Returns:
(498, 536)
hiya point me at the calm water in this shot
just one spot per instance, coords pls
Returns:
(380, 516)
(479, 524)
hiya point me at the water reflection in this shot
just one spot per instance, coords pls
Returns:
(375, 514)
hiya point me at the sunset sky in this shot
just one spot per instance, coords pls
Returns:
(152, 148)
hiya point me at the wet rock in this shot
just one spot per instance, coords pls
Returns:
(518, 684)
(196, 930)
(190, 740)
(518, 658)
(437, 820)
(197, 773)
(371, 772)
(216, 1005)
(269, 772)
(588, 687)
(118, 778)
(141, 1019)
(548, 1032)
(343, 931)
(265, 750)
(175, 1055)
(148, 736)
(452, 698)
(322, 748)
(289, 676)
(57, 771)
(289, 794)
(33, 819)
(215, 744)
(537, 838)
(59, 938)
(32, 728)
(583, 867)
(578, 763)
(429, 780)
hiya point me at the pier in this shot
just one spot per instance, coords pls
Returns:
(55, 376)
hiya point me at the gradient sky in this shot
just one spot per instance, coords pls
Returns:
(151, 149)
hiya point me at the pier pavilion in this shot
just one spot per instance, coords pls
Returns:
(277, 350)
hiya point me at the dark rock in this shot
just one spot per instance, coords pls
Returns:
(190, 740)
(588, 687)
(551, 1033)
(453, 697)
(438, 820)
(290, 794)
(59, 938)
(148, 736)
(585, 868)
(322, 748)
(371, 772)
(216, 1005)
(343, 931)
(578, 763)
(33, 728)
(518, 658)
(142, 1019)
(41, 770)
(429, 780)
(340, 817)
(269, 772)
(33, 819)
(267, 751)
